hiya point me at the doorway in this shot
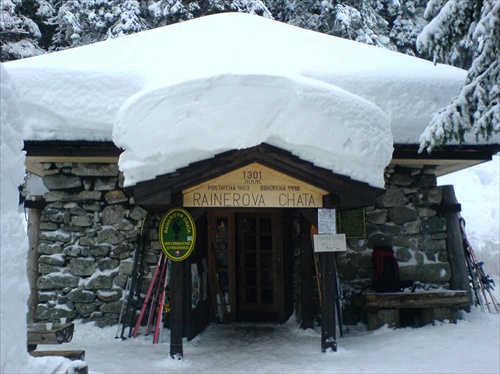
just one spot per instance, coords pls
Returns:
(246, 265)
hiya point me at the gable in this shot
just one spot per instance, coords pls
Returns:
(334, 190)
(254, 186)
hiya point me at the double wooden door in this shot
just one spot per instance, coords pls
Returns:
(246, 265)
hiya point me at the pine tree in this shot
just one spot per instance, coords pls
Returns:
(390, 24)
(68, 27)
(466, 34)
(406, 22)
(339, 18)
(166, 12)
(81, 22)
(127, 19)
(19, 33)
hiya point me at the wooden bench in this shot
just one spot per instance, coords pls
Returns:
(413, 308)
(38, 334)
(59, 334)
(73, 355)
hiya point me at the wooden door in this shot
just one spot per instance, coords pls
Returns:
(246, 265)
(221, 264)
(260, 267)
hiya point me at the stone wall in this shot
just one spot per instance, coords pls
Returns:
(88, 232)
(405, 217)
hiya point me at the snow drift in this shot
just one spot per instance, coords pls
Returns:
(14, 289)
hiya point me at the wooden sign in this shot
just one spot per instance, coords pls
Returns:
(177, 234)
(330, 243)
(254, 186)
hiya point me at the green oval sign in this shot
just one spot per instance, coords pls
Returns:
(177, 234)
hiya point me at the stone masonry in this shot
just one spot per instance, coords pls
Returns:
(89, 230)
(405, 217)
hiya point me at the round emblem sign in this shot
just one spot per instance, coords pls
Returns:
(177, 234)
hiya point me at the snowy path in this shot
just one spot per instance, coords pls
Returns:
(471, 346)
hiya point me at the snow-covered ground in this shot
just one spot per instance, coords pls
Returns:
(471, 346)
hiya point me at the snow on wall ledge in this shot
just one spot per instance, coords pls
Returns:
(165, 129)
(230, 81)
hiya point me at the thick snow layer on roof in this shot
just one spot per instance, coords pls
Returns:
(178, 94)
(197, 119)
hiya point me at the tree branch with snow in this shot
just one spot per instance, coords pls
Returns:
(466, 31)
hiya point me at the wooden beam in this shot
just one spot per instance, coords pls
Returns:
(34, 219)
(306, 274)
(398, 300)
(328, 306)
(176, 310)
(73, 355)
(455, 243)
(65, 149)
(156, 201)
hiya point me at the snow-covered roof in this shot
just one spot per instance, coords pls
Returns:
(185, 92)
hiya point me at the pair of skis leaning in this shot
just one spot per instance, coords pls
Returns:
(155, 300)
(482, 284)
(134, 284)
(155, 296)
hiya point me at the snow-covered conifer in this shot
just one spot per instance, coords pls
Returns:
(406, 21)
(166, 12)
(69, 29)
(81, 22)
(390, 24)
(250, 6)
(19, 33)
(129, 20)
(466, 34)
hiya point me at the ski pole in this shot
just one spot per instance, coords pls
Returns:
(478, 277)
(127, 291)
(129, 294)
(134, 293)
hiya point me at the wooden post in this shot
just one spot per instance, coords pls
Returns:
(327, 225)
(329, 286)
(34, 218)
(176, 310)
(456, 254)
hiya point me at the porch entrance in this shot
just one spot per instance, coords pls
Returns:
(246, 257)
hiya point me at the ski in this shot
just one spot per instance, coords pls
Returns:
(482, 284)
(155, 301)
(159, 314)
(133, 284)
(148, 295)
(127, 292)
(138, 274)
